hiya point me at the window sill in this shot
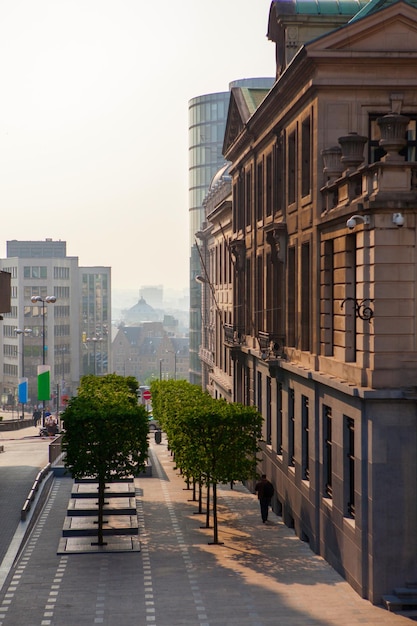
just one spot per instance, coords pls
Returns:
(349, 522)
(328, 502)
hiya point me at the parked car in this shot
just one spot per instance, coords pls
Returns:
(153, 423)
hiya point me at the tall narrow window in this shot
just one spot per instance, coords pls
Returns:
(350, 445)
(269, 185)
(305, 438)
(327, 301)
(248, 198)
(279, 419)
(260, 192)
(291, 321)
(260, 293)
(291, 428)
(247, 306)
(291, 169)
(305, 296)
(351, 281)
(278, 176)
(327, 451)
(259, 391)
(270, 295)
(268, 411)
(305, 158)
(235, 210)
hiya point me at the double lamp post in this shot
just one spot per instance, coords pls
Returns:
(44, 302)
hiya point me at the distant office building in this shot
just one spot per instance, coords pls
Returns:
(95, 298)
(207, 121)
(73, 305)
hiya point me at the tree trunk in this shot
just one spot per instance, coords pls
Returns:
(215, 522)
(200, 497)
(101, 497)
(208, 505)
(215, 527)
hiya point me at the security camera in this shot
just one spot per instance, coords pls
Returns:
(398, 219)
(353, 221)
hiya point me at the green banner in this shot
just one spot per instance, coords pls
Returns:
(44, 382)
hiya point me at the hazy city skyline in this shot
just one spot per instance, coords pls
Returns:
(94, 122)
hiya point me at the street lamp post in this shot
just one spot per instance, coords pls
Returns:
(23, 332)
(44, 301)
(175, 362)
(59, 372)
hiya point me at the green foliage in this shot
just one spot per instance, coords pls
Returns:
(213, 441)
(210, 438)
(105, 429)
(106, 433)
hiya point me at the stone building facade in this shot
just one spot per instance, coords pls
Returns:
(322, 240)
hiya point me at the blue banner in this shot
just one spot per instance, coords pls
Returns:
(23, 390)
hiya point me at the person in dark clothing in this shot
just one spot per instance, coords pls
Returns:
(36, 417)
(265, 491)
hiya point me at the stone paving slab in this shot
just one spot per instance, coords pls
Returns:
(112, 506)
(87, 545)
(113, 525)
(114, 490)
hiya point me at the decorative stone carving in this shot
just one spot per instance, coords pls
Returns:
(352, 150)
(333, 166)
(237, 249)
(276, 236)
(393, 129)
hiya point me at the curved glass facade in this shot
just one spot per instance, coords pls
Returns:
(207, 121)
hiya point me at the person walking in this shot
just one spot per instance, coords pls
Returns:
(36, 417)
(265, 491)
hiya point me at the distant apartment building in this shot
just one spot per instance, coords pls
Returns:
(147, 351)
(55, 307)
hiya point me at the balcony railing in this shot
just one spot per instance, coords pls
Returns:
(206, 356)
(270, 345)
(233, 336)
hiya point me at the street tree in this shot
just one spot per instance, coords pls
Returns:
(106, 433)
(213, 441)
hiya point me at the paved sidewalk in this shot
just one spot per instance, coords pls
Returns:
(262, 575)
(25, 453)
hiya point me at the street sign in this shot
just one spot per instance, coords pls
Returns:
(146, 395)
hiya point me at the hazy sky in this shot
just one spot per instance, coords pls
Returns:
(94, 122)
